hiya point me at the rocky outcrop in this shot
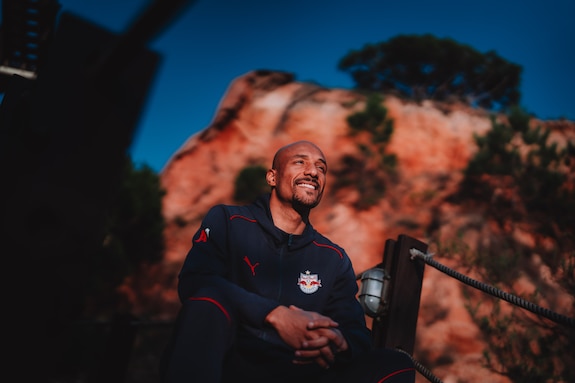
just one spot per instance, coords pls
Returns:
(264, 110)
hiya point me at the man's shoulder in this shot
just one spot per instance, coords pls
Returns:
(323, 241)
(235, 211)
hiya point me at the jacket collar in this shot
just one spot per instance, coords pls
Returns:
(261, 211)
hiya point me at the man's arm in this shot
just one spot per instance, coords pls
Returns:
(208, 263)
(296, 326)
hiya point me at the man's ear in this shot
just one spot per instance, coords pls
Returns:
(271, 177)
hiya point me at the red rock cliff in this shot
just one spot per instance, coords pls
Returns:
(433, 143)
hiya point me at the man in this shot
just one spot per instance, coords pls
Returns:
(266, 298)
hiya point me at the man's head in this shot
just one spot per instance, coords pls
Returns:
(298, 174)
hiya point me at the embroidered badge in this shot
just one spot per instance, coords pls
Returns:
(308, 283)
(204, 234)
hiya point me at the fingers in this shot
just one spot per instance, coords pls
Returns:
(325, 337)
(316, 320)
(324, 357)
(315, 341)
(324, 322)
(325, 353)
(321, 347)
(313, 335)
(336, 340)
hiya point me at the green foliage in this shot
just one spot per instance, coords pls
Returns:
(135, 219)
(425, 66)
(537, 168)
(518, 161)
(524, 349)
(372, 120)
(369, 169)
(520, 346)
(519, 119)
(133, 233)
(250, 184)
(496, 155)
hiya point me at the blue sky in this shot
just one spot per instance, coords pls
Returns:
(211, 42)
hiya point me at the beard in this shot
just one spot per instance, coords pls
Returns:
(305, 201)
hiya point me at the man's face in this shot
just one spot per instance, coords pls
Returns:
(300, 175)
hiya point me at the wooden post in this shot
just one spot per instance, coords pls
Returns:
(396, 327)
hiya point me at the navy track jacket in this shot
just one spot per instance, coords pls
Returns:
(256, 266)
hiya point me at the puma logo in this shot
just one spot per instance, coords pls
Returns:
(252, 267)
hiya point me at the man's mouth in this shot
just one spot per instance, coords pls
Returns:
(307, 185)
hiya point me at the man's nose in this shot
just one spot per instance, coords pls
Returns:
(311, 170)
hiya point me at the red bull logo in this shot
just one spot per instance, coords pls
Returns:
(308, 283)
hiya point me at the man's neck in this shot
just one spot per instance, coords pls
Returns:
(286, 218)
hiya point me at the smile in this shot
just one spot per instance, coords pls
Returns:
(306, 185)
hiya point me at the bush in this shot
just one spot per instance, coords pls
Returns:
(427, 67)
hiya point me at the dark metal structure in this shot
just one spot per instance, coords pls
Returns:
(73, 93)
(26, 32)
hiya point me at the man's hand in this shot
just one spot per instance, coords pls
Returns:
(296, 326)
(321, 347)
(315, 337)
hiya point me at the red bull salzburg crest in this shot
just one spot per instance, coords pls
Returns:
(308, 283)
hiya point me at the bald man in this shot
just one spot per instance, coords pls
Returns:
(266, 298)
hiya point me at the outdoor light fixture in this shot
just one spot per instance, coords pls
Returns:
(373, 293)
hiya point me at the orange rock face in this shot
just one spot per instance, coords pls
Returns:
(264, 110)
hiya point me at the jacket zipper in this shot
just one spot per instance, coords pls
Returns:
(281, 255)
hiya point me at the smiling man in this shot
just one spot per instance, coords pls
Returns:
(266, 298)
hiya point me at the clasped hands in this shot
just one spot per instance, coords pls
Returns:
(314, 337)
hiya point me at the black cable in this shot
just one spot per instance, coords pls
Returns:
(421, 369)
(557, 318)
